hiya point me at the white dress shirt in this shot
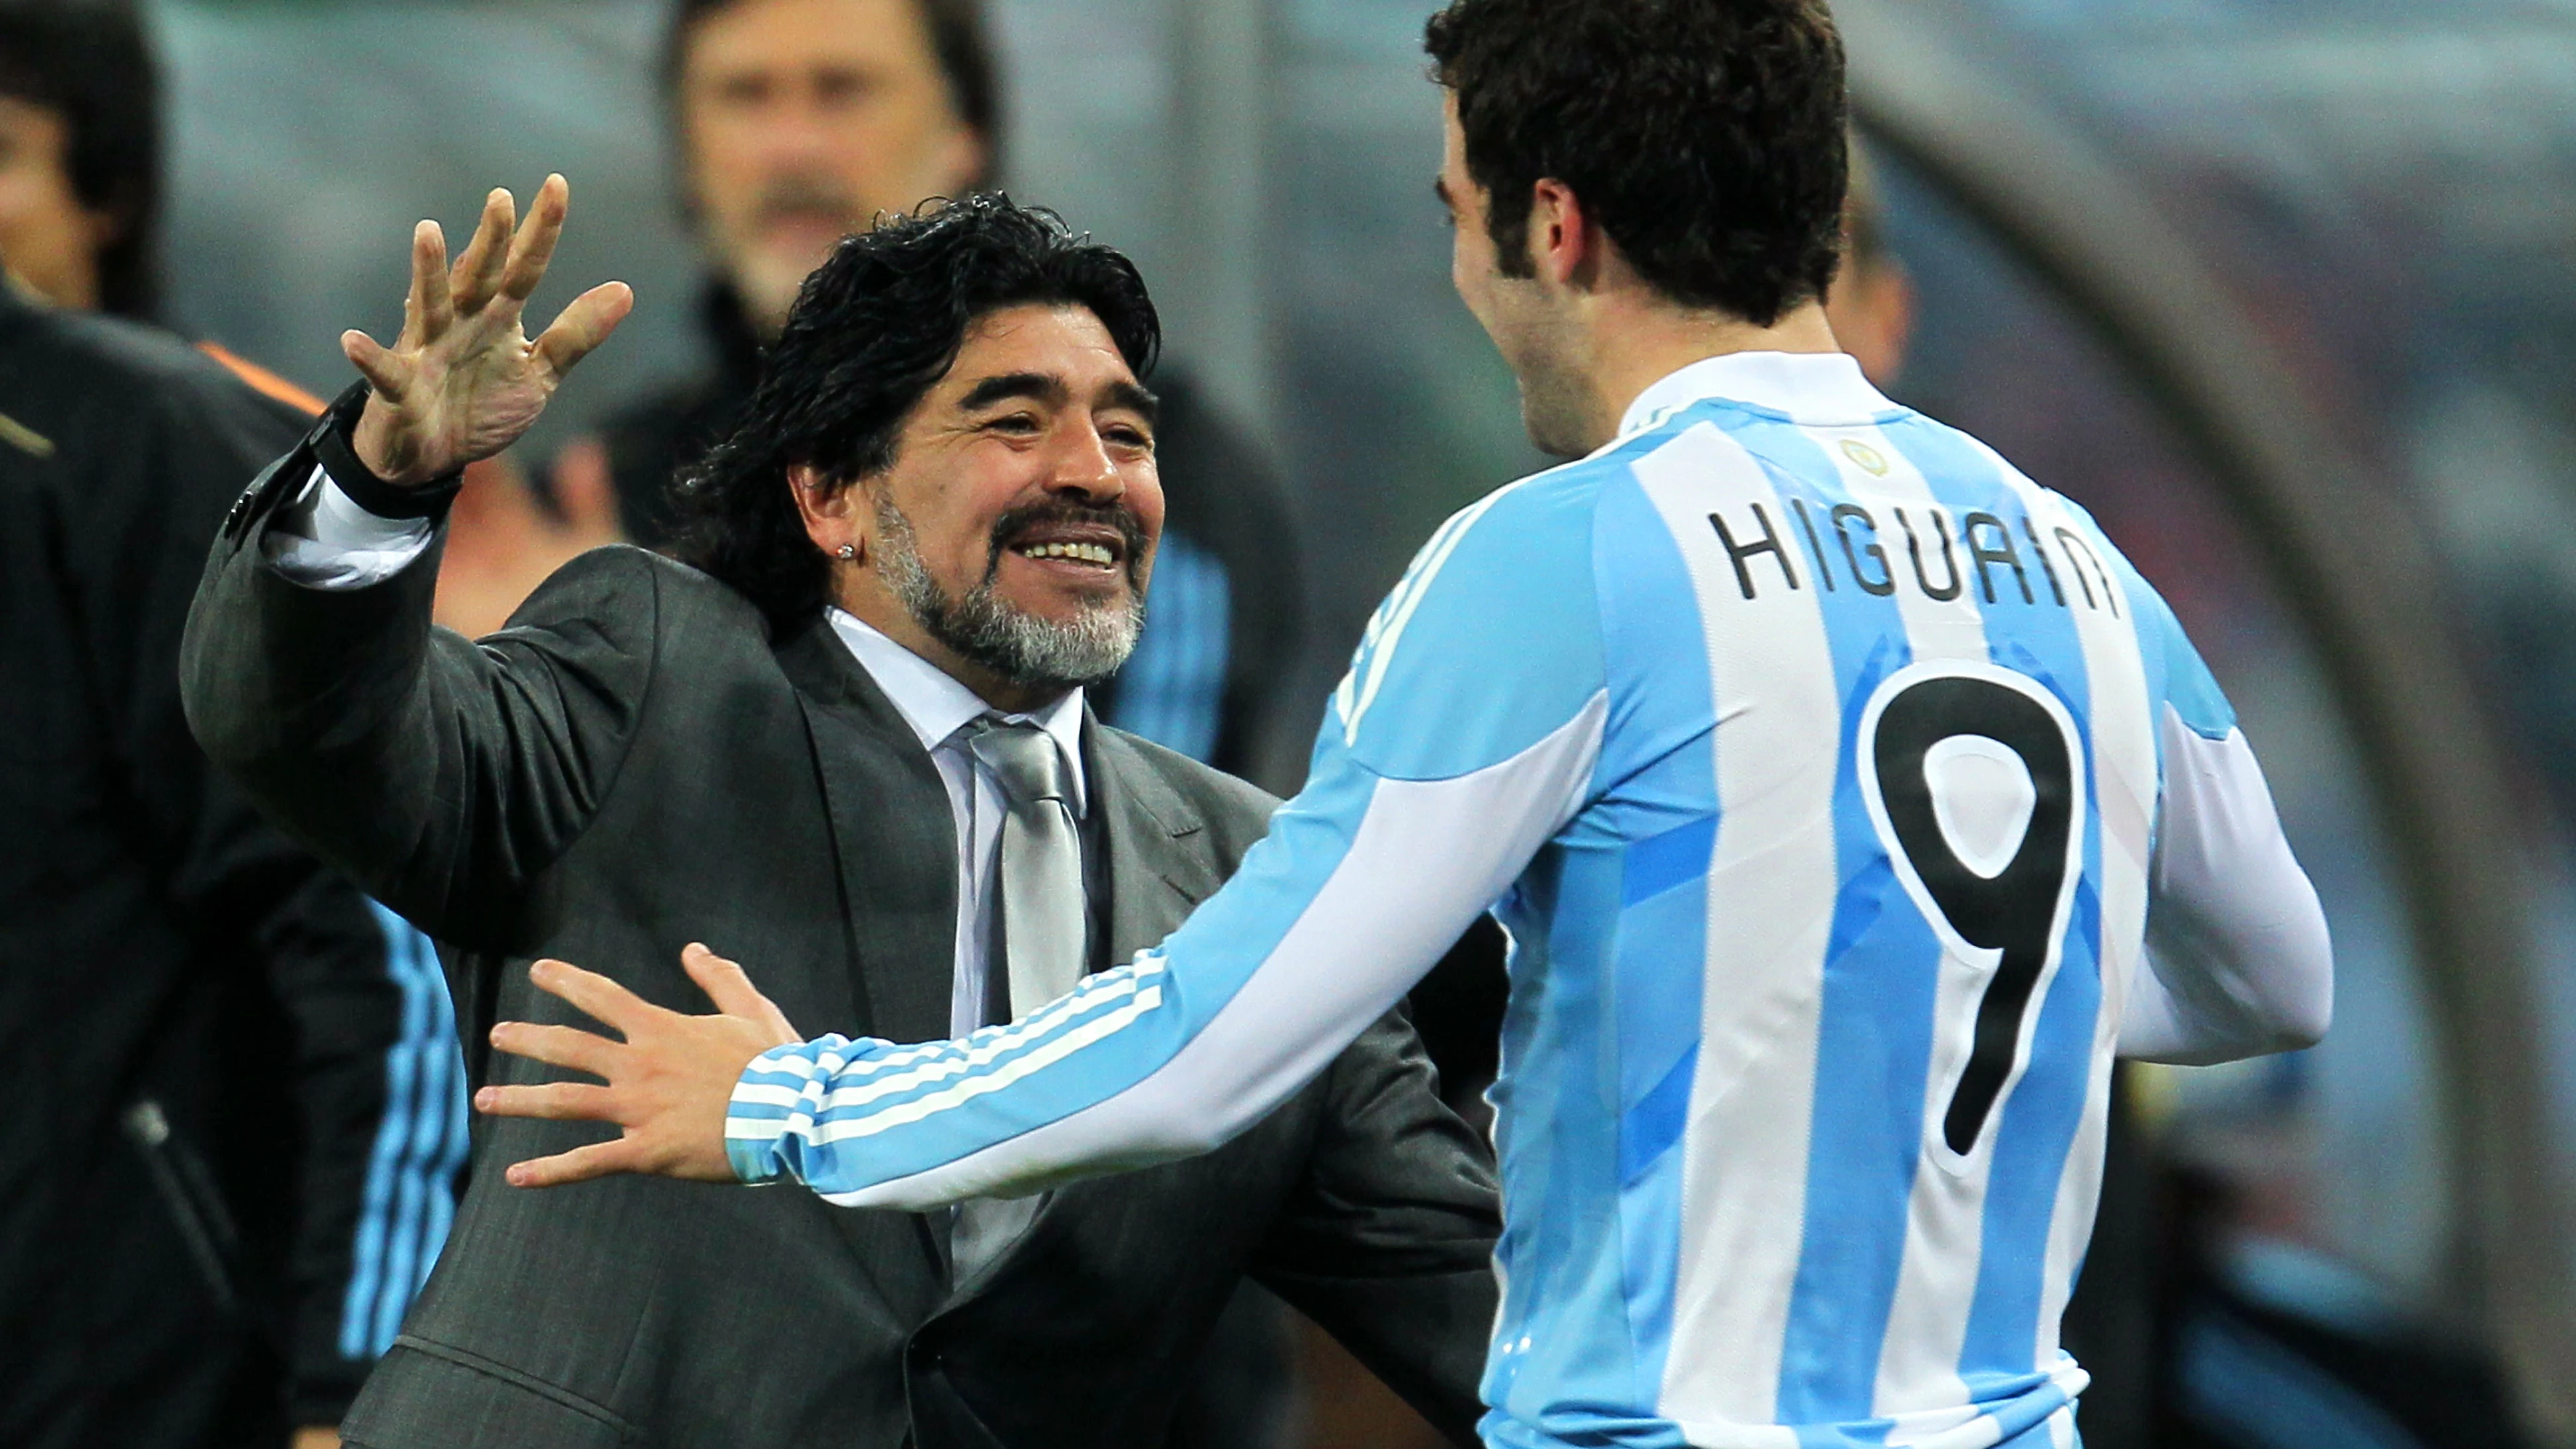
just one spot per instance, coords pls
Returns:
(324, 540)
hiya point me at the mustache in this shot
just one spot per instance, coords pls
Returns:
(1131, 530)
(790, 197)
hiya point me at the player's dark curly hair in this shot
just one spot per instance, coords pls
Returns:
(1707, 136)
(874, 329)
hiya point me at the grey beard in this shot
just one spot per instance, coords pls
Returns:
(1020, 647)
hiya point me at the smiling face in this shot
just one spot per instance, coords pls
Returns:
(1012, 537)
(800, 120)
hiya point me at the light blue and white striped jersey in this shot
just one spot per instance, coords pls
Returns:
(1811, 757)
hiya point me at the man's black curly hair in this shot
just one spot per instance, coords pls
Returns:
(1706, 136)
(874, 329)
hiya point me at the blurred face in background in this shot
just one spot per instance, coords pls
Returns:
(1871, 304)
(800, 120)
(1871, 309)
(47, 237)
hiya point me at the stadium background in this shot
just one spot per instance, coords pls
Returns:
(2285, 291)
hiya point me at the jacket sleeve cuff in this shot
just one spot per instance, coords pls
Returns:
(429, 501)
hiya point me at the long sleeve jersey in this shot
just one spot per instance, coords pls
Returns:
(1830, 778)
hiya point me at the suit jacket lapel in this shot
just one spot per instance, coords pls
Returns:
(894, 835)
(1155, 874)
(897, 847)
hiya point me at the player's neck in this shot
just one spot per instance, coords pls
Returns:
(1636, 345)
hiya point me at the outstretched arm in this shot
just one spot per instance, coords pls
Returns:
(434, 772)
(464, 380)
(1360, 886)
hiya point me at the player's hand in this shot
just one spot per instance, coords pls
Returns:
(668, 1084)
(463, 381)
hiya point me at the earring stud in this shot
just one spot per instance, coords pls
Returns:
(849, 552)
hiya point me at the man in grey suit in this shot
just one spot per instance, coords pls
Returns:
(849, 741)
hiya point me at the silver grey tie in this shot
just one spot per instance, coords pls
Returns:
(1040, 941)
(1043, 924)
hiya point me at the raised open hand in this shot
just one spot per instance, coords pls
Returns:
(463, 381)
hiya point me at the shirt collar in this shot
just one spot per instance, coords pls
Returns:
(937, 706)
(1818, 389)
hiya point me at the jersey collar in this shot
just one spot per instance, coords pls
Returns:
(1819, 389)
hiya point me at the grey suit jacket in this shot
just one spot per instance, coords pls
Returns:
(636, 764)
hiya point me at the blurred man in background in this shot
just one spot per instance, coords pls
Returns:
(226, 1254)
(795, 122)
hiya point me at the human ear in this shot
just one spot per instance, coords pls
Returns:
(1562, 247)
(107, 225)
(832, 519)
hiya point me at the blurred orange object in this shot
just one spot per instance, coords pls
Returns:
(261, 380)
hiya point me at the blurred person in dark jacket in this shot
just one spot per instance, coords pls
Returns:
(221, 1257)
(225, 1253)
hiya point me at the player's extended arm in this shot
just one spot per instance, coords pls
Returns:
(1465, 736)
(2238, 960)
(1360, 886)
